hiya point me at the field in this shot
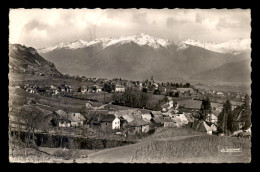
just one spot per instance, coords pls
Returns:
(173, 146)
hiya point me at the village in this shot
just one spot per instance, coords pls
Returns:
(169, 112)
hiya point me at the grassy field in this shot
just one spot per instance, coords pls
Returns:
(174, 146)
(166, 150)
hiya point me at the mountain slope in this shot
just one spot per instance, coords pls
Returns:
(238, 72)
(24, 59)
(135, 57)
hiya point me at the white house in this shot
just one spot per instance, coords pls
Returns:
(116, 123)
(76, 119)
(220, 94)
(119, 88)
(64, 124)
(212, 118)
(147, 117)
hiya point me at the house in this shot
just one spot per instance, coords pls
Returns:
(171, 125)
(163, 90)
(180, 119)
(97, 88)
(129, 115)
(119, 88)
(202, 126)
(103, 120)
(138, 126)
(147, 117)
(220, 94)
(156, 113)
(58, 118)
(187, 91)
(116, 123)
(76, 119)
(155, 85)
(158, 120)
(211, 118)
(190, 119)
(65, 123)
(82, 89)
(106, 122)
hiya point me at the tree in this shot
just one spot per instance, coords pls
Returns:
(157, 91)
(225, 119)
(205, 108)
(33, 120)
(187, 85)
(177, 94)
(246, 113)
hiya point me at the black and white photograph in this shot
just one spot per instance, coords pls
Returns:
(129, 85)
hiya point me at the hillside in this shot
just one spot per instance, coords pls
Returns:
(26, 60)
(135, 57)
(238, 72)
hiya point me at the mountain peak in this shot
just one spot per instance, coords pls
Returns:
(141, 39)
(235, 46)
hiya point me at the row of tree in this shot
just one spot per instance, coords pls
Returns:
(229, 120)
(131, 98)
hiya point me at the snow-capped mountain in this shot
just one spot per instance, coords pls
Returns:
(140, 39)
(138, 57)
(236, 46)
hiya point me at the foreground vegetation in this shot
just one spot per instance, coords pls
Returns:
(189, 147)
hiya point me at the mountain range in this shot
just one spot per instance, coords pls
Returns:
(141, 56)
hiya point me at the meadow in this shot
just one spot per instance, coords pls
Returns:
(195, 147)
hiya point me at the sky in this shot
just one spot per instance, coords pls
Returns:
(41, 28)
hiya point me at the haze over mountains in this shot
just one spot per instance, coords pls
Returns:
(140, 56)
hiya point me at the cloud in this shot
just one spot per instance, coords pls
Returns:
(170, 22)
(41, 28)
(140, 18)
(199, 19)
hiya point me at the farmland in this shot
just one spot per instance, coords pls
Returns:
(173, 146)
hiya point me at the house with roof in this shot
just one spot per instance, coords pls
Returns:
(129, 114)
(119, 88)
(156, 113)
(190, 119)
(211, 118)
(106, 122)
(103, 120)
(185, 91)
(76, 119)
(58, 118)
(157, 120)
(171, 124)
(202, 126)
(180, 119)
(138, 126)
(147, 117)
(220, 94)
(97, 89)
(82, 89)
